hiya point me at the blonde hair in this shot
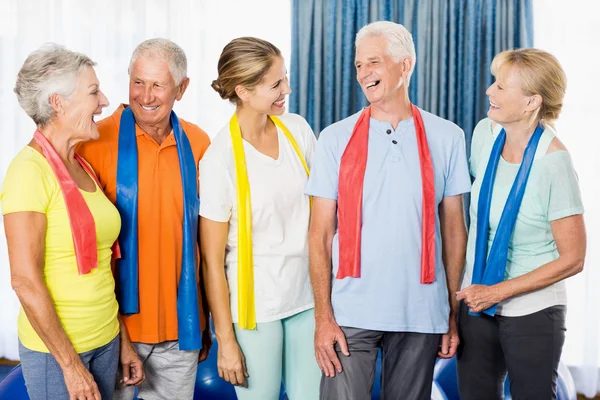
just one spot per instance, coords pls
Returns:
(540, 74)
(244, 61)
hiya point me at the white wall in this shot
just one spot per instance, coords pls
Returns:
(571, 30)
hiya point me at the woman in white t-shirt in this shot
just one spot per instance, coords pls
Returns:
(254, 228)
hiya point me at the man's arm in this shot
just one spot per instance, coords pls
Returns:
(131, 365)
(320, 237)
(327, 332)
(454, 246)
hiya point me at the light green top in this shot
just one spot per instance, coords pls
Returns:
(552, 193)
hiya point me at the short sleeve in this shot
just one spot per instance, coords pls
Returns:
(216, 196)
(303, 134)
(564, 194)
(25, 188)
(310, 143)
(458, 180)
(481, 135)
(323, 180)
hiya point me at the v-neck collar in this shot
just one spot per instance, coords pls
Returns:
(263, 157)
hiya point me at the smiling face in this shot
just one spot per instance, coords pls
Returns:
(508, 102)
(268, 97)
(153, 92)
(82, 105)
(379, 76)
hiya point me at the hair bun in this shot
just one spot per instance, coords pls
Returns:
(218, 88)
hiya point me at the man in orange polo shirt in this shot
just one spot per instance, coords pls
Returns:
(146, 160)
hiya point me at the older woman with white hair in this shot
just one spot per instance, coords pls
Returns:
(527, 235)
(60, 229)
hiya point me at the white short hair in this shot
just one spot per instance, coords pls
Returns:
(399, 39)
(48, 70)
(164, 50)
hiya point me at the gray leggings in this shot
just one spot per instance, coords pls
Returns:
(527, 347)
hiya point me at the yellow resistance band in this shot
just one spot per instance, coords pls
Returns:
(246, 308)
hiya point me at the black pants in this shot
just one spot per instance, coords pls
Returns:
(407, 364)
(527, 347)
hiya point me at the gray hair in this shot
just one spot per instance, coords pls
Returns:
(48, 70)
(399, 39)
(164, 50)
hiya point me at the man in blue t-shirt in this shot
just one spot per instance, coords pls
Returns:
(388, 235)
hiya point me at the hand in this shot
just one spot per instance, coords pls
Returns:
(450, 340)
(206, 344)
(231, 363)
(80, 383)
(132, 366)
(327, 334)
(479, 297)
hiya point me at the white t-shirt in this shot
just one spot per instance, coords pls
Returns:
(280, 217)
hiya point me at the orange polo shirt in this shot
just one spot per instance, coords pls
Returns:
(160, 220)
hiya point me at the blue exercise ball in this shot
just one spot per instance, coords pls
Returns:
(13, 386)
(209, 386)
(376, 391)
(445, 375)
(437, 393)
(565, 386)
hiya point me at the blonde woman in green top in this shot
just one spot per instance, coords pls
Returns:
(513, 319)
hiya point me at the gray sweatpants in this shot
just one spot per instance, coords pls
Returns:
(527, 347)
(170, 373)
(407, 364)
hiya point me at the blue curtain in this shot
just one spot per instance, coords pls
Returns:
(455, 41)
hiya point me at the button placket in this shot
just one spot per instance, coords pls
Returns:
(395, 150)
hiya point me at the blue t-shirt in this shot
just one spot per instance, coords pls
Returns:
(389, 296)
